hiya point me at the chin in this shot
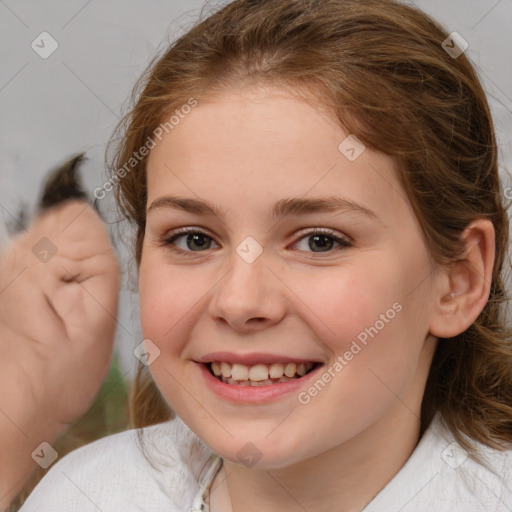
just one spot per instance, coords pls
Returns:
(256, 451)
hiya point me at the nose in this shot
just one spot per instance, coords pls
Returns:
(249, 297)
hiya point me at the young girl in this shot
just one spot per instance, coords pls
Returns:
(321, 239)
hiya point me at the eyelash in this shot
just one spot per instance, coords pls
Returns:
(168, 241)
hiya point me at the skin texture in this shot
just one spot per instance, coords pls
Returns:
(57, 327)
(242, 151)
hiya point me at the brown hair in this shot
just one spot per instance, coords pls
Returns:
(384, 62)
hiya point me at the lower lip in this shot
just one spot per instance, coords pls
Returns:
(254, 394)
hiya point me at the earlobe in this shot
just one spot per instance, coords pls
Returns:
(466, 284)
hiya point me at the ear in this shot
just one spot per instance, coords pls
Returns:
(464, 287)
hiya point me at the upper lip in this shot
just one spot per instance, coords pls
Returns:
(251, 359)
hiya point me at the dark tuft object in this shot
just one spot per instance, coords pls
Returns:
(63, 183)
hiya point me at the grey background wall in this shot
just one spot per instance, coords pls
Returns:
(71, 101)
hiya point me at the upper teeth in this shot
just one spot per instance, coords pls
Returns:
(259, 372)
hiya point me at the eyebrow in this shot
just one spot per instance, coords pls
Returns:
(282, 208)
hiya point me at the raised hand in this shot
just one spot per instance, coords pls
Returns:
(59, 287)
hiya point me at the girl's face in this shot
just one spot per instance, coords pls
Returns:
(296, 250)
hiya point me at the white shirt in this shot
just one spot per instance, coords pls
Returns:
(113, 475)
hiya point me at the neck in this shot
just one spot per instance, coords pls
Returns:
(345, 478)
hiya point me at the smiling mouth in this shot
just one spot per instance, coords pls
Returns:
(259, 374)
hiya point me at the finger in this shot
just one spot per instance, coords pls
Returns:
(25, 305)
(85, 271)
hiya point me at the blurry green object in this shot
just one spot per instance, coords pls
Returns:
(109, 412)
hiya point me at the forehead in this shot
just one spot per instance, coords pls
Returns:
(251, 147)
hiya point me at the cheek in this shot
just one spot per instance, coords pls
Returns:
(344, 304)
(161, 300)
(370, 324)
(170, 300)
